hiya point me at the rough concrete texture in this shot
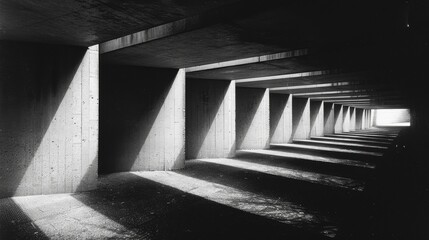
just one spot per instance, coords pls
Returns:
(210, 118)
(280, 118)
(300, 118)
(48, 118)
(328, 115)
(316, 118)
(244, 197)
(142, 119)
(338, 118)
(252, 118)
(346, 119)
(352, 118)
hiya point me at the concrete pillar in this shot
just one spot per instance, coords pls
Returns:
(364, 120)
(329, 120)
(48, 118)
(280, 118)
(370, 118)
(359, 118)
(338, 118)
(346, 119)
(316, 118)
(300, 118)
(352, 118)
(142, 119)
(210, 119)
(253, 118)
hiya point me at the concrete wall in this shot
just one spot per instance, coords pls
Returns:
(346, 119)
(338, 118)
(280, 118)
(369, 118)
(364, 119)
(300, 118)
(352, 119)
(390, 116)
(316, 118)
(359, 118)
(252, 118)
(210, 118)
(48, 118)
(329, 120)
(142, 119)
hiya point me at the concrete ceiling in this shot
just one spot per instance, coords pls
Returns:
(89, 22)
(359, 51)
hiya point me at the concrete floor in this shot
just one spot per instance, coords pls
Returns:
(307, 190)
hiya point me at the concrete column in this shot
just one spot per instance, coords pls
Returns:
(142, 119)
(253, 118)
(364, 120)
(370, 118)
(338, 118)
(346, 119)
(367, 118)
(48, 118)
(359, 118)
(329, 120)
(316, 118)
(352, 119)
(280, 118)
(210, 119)
(300, 118)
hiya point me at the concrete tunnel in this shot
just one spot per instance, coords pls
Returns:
(213, 120)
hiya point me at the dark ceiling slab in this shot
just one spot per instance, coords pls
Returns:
(88, 22)
(312, 60)
(316, 79)
(257, 28)
(350, 86)
(221, 42)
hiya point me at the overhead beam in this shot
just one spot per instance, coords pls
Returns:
(154, 33)
(187, 24)
(310, 78)
(285, 76)
(329, 87)
(350, 93)
(244, 61)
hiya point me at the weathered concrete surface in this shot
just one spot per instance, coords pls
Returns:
(210, 119)
(316, 118)
(91, 22)
(338, 118)
(346, 119)
(48, 119)
(352, 118)
(281, 118)
(300, 118)
(252, 118)
(359, 119)
(240, 197)
(329, 120)
(143, 119)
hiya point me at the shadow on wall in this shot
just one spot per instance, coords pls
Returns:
(34, 115)
(138, 119)
(298, 108)
(209, 119)
(328, 118)
(278, 103)
(315, 107)
(251, 114)
(338, 121)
